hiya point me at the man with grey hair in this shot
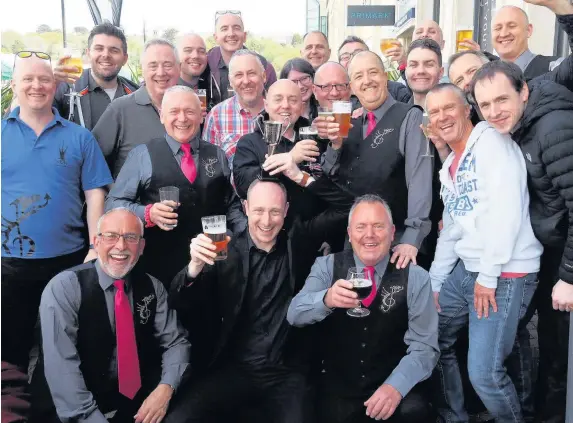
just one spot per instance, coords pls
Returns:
(236, 116)
(484, 272)
(107, 327)
(134, 119)
(178, 159)
(372, 357)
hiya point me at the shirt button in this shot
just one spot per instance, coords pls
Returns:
(361, 361)
(363, 376)
(365, 327)
(364, 345)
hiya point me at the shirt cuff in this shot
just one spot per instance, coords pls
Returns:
(319, 306)
(95, 417)
(400, 382)
(411, 237)
(171, 378)
(487, 281)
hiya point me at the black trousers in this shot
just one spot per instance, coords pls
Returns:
(414, 408)
(553, 337)
(267, 394)
(23, 281)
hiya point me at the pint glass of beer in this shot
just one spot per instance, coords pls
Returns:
(202, 94)
(215, 227)
(341, 111)
(461, 34)
(75, 59)
(387, 43)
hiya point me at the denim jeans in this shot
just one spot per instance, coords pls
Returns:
(491, 341)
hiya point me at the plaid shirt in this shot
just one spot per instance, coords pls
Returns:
(226, 124)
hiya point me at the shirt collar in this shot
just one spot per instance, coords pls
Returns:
(380, 266)
(15, 115)
(524, 59)
(222, 64)
(280, 239)
(175, 146)
(380, 111)
(142, 96)
(106, 281)
(236, 105)
(92, 83)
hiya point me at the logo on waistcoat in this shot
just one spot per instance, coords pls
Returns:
(143, 309)
(209, 168)
(379, 137)
(388, 300)
(62, 159)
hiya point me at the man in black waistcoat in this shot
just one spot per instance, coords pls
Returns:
(112, 350)
(385, 153)
(244, 352)
(370, 366)
(180, 159)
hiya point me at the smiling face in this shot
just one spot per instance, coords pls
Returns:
(160, 70)
(304, 82)
(449, 116)
(348, 50)
(284, 102)
(315, 49)
(34, 85)
(463, 69)
(370, 232)
(429, 29)
(193, 55)
(368, 80)
(106, 56)
(331, 74)
(422, 70)
(181, 115)
(118, 258)
(266, 208)
(229, 33)
(247, 78)
(510, 32)
(499, 103)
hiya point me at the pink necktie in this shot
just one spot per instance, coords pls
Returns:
(187, 163)
(371, 122)
(127, 359)
(368, 300)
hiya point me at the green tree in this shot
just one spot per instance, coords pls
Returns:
(296, 39)
(170, 34)
(81, 30)
(43, 28)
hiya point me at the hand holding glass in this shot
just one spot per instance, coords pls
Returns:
(215, 227)
(170, 194)
(362, 285)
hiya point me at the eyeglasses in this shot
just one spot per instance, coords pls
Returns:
(25, 54)
(112, 237)
(328, 88)
(345, 57)
(303, 81)
(227, 12)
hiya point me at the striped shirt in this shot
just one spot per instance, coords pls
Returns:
(226, 124)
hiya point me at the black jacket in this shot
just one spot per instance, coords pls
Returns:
(545, 135)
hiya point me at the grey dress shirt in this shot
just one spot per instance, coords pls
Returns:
(527, 57)
(308, 307)
(59, 310)
(127, 122)
(419, 171)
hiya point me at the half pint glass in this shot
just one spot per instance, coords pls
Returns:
(215, 227)
(202, 94)
(341, 111)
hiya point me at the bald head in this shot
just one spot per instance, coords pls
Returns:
(34, 85)
(429, 29)
(193, 55)
(326, 80)
(284, 101)
(330, 70)
(510, 32)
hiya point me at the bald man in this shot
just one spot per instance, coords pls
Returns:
(510, 38)
(315, 48)
(193, 55)
(180, 159)
(48, 162)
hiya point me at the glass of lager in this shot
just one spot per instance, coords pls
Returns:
(425, 123)
(362, 285)
(463, 33)
(341, 111)
(324, 111)
(170, 194)
(215, 227)
(202, 94)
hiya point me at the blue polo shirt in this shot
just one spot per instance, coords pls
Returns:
(42, 180)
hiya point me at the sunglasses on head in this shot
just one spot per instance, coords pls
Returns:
(25, 54)
(227, 12)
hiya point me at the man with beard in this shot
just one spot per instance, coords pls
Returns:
(235, 117)
(315, 48)
(99, 85)
(134, 119)
(230, 36)
(106, 326)
(538, 118)
(179, 158)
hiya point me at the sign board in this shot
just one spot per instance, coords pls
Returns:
(371, 15)
(410, 14)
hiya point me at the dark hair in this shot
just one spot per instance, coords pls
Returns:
(352, 39)
(459, 54)
(427, 44)
(297, 64)
(107, 28)
(489, 70)
(316, 32)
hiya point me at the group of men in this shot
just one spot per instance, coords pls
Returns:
(152, 327)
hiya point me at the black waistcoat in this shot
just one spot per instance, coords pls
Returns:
(358, 354)
(375, 165)
(167, 252)
(538, 66)
(96, 341)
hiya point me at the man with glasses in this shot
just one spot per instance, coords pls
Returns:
(134, 119)
(230, 36)
(101, 83)
(107, 327)
(178, 158)
(315, 48)
(47, 164)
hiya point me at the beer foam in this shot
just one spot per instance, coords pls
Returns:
(361, 283)
(215, 229)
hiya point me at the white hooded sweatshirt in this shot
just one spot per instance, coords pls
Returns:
(486, 212)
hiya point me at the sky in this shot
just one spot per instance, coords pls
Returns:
(185, 15)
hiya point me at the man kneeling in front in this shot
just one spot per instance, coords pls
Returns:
(372, 357)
